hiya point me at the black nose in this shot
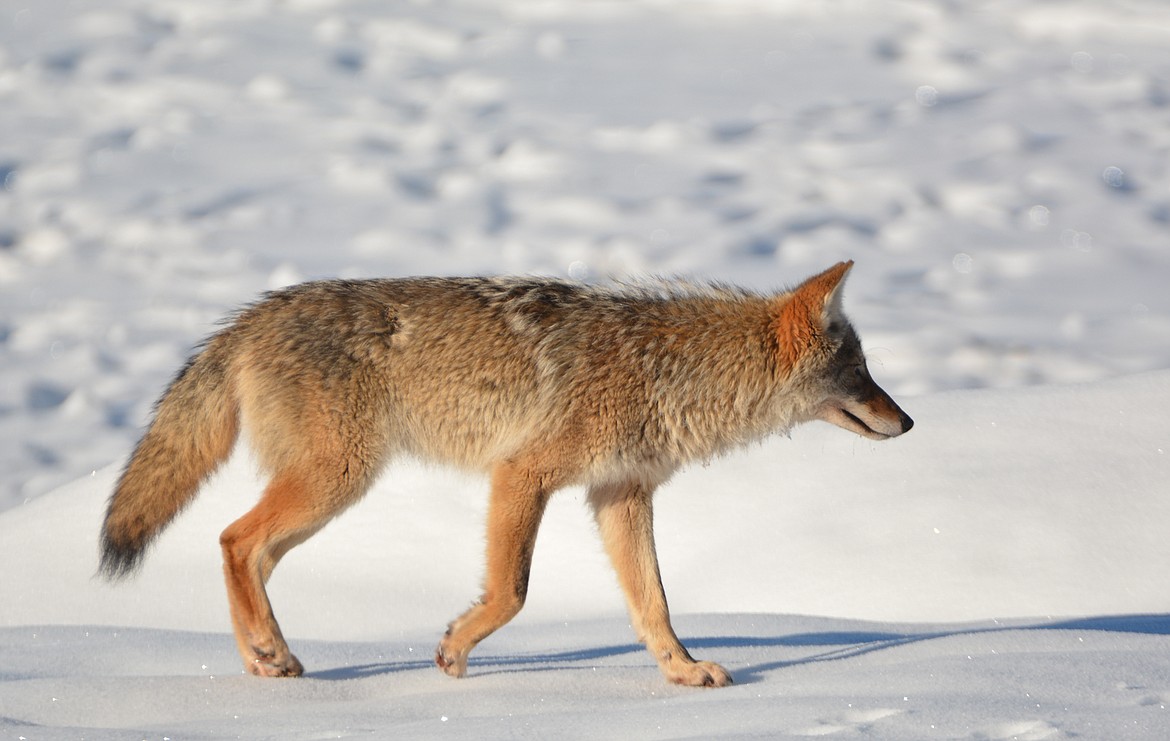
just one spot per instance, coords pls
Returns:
(907, 423)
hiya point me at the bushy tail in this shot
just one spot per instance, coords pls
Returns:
(195, 426)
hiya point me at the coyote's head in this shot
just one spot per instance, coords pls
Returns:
(820, 351)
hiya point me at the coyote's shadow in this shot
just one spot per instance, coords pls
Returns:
(847, 645)
(836, 645)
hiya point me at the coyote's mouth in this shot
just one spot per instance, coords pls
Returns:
(861, 423)
(847, 420)
(864, 429)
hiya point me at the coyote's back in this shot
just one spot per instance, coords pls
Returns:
(537, 382)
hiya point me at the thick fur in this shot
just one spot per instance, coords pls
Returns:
(539, 383)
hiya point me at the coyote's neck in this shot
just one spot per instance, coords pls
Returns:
(715, 382)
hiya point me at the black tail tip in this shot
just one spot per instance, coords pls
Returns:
(118, 561)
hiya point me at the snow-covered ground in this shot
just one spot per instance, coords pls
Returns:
(1000, 171)
(1002, 570)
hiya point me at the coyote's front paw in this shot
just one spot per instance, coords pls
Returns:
(453, 663)
(698, 674)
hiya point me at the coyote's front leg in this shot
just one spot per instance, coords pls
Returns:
(625, 518)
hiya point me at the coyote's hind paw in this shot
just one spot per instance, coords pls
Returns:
(269, 666)
(452, 664)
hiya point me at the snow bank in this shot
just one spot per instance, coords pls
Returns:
(1031, 516)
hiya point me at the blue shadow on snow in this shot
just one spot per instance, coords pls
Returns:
(841, 645)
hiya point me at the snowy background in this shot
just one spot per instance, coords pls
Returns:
(999, 170)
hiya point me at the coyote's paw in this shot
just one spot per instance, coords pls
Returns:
(699, 674)
(271, 666)
(453, 663)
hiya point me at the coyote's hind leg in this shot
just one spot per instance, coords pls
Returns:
(518, 498)
(293, 507)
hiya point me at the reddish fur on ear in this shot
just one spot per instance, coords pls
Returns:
(800, 317)
(793, 330)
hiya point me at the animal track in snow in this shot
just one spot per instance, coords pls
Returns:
(851, 720)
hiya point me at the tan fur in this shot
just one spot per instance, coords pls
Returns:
(540, 384)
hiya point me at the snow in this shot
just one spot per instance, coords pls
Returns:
(1000, 172)
(997, 577)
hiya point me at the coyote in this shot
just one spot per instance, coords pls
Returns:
(540, 383)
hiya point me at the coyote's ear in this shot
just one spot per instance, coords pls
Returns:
(807, 311)
(823, 291)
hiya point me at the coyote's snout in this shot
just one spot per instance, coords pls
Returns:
(863, 407)
(539, 383)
